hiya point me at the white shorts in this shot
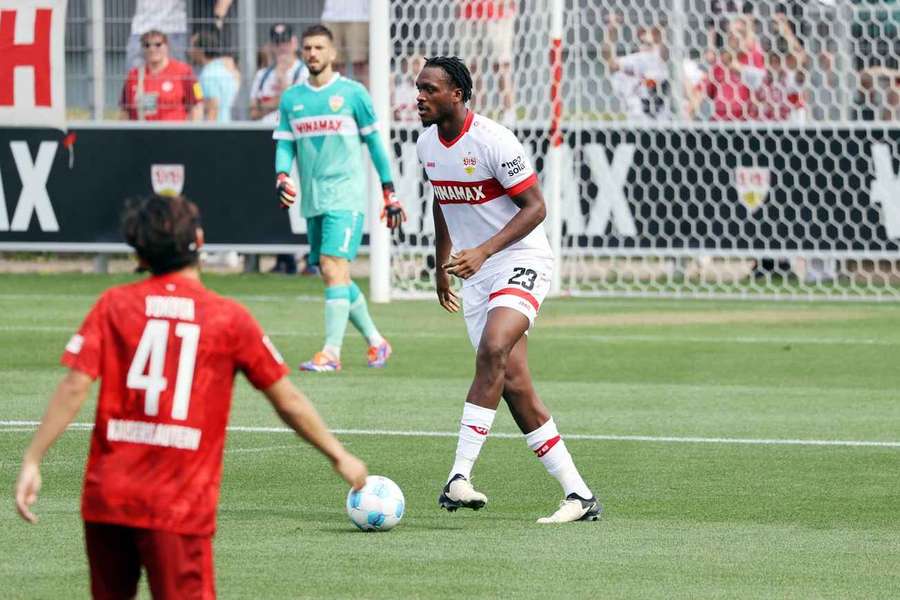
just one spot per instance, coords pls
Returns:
(517, 282)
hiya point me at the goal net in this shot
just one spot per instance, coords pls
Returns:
(709, 147)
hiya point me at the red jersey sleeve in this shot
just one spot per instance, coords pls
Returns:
(85, 348)
(256, 355)
(126, 101)
(193, 93)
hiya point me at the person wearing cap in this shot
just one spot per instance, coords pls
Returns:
(284, 71)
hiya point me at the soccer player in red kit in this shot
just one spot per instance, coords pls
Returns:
(488, 211)
(166, 351)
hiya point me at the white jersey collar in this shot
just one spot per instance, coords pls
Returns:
(334, 78)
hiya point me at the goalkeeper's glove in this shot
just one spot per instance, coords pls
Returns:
(392, 214)
(287, 191)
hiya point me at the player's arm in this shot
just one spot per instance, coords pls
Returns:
(64, 405)
(285, 153)
(442, 246)
(532, 212)
(300, 415)
(392, 214)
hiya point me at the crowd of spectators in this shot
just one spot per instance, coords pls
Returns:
(752, 68)
(750, 61)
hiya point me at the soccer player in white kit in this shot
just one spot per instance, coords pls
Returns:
(488, 210)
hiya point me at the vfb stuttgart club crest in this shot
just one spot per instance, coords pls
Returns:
(469, 163)
(752, 185)
(167, 180)
(336, 102)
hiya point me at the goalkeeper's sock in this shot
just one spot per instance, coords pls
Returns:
(549, 447)
(337, 312)
(473, 431)
(360, 317)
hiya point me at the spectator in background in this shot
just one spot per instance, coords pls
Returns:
(163, 89)
(879, 95)
(166, 16)
(486, 31)
(219, 76)
(787, 75)
(284, 70)
(348, 21)
(737, 72)
(641, 79)
(405, 92)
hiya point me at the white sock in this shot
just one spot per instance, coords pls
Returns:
(473, 431)
(333, 351)
(375, 339)
(549, 447)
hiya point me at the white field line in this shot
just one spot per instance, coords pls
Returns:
(612, 339)
(19, 425)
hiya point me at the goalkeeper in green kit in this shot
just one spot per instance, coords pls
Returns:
(322, 123)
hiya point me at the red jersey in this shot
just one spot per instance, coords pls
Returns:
(164, 96)
(166, 351)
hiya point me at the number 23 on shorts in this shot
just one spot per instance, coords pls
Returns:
(524, 277)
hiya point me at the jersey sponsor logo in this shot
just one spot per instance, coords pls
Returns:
(336, 102)
(429, 164)
(324, 126)
(297, 107)
(462, 192)
(469, 163)
(169, 307)
(75, 344)
(167, 180)
(514, 166)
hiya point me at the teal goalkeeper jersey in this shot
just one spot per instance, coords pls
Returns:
(324, 129)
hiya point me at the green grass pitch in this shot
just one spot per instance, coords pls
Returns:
(709, 518)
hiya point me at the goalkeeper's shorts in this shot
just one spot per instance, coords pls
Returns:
(336, 233)
(520, 282)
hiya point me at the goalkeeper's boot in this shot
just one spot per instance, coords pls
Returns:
(459, 493)
(322, 362)
(575, 508)
(378, 355)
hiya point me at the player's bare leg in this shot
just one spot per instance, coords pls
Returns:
(501, 332)
(534, 420)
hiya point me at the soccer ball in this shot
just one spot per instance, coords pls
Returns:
(378, 506)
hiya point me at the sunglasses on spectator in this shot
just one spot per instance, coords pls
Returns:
(153, 44)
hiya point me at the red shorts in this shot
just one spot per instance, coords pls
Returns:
(178, 566)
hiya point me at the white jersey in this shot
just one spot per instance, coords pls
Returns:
(265, 85)
(473, 178)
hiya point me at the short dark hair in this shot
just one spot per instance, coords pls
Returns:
(163, 231)
(209, 41)
(457, 70)
(317, 29)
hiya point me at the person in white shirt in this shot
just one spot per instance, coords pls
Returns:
(348, 21)
(641, 79)
(286, 70)
(488, 209)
